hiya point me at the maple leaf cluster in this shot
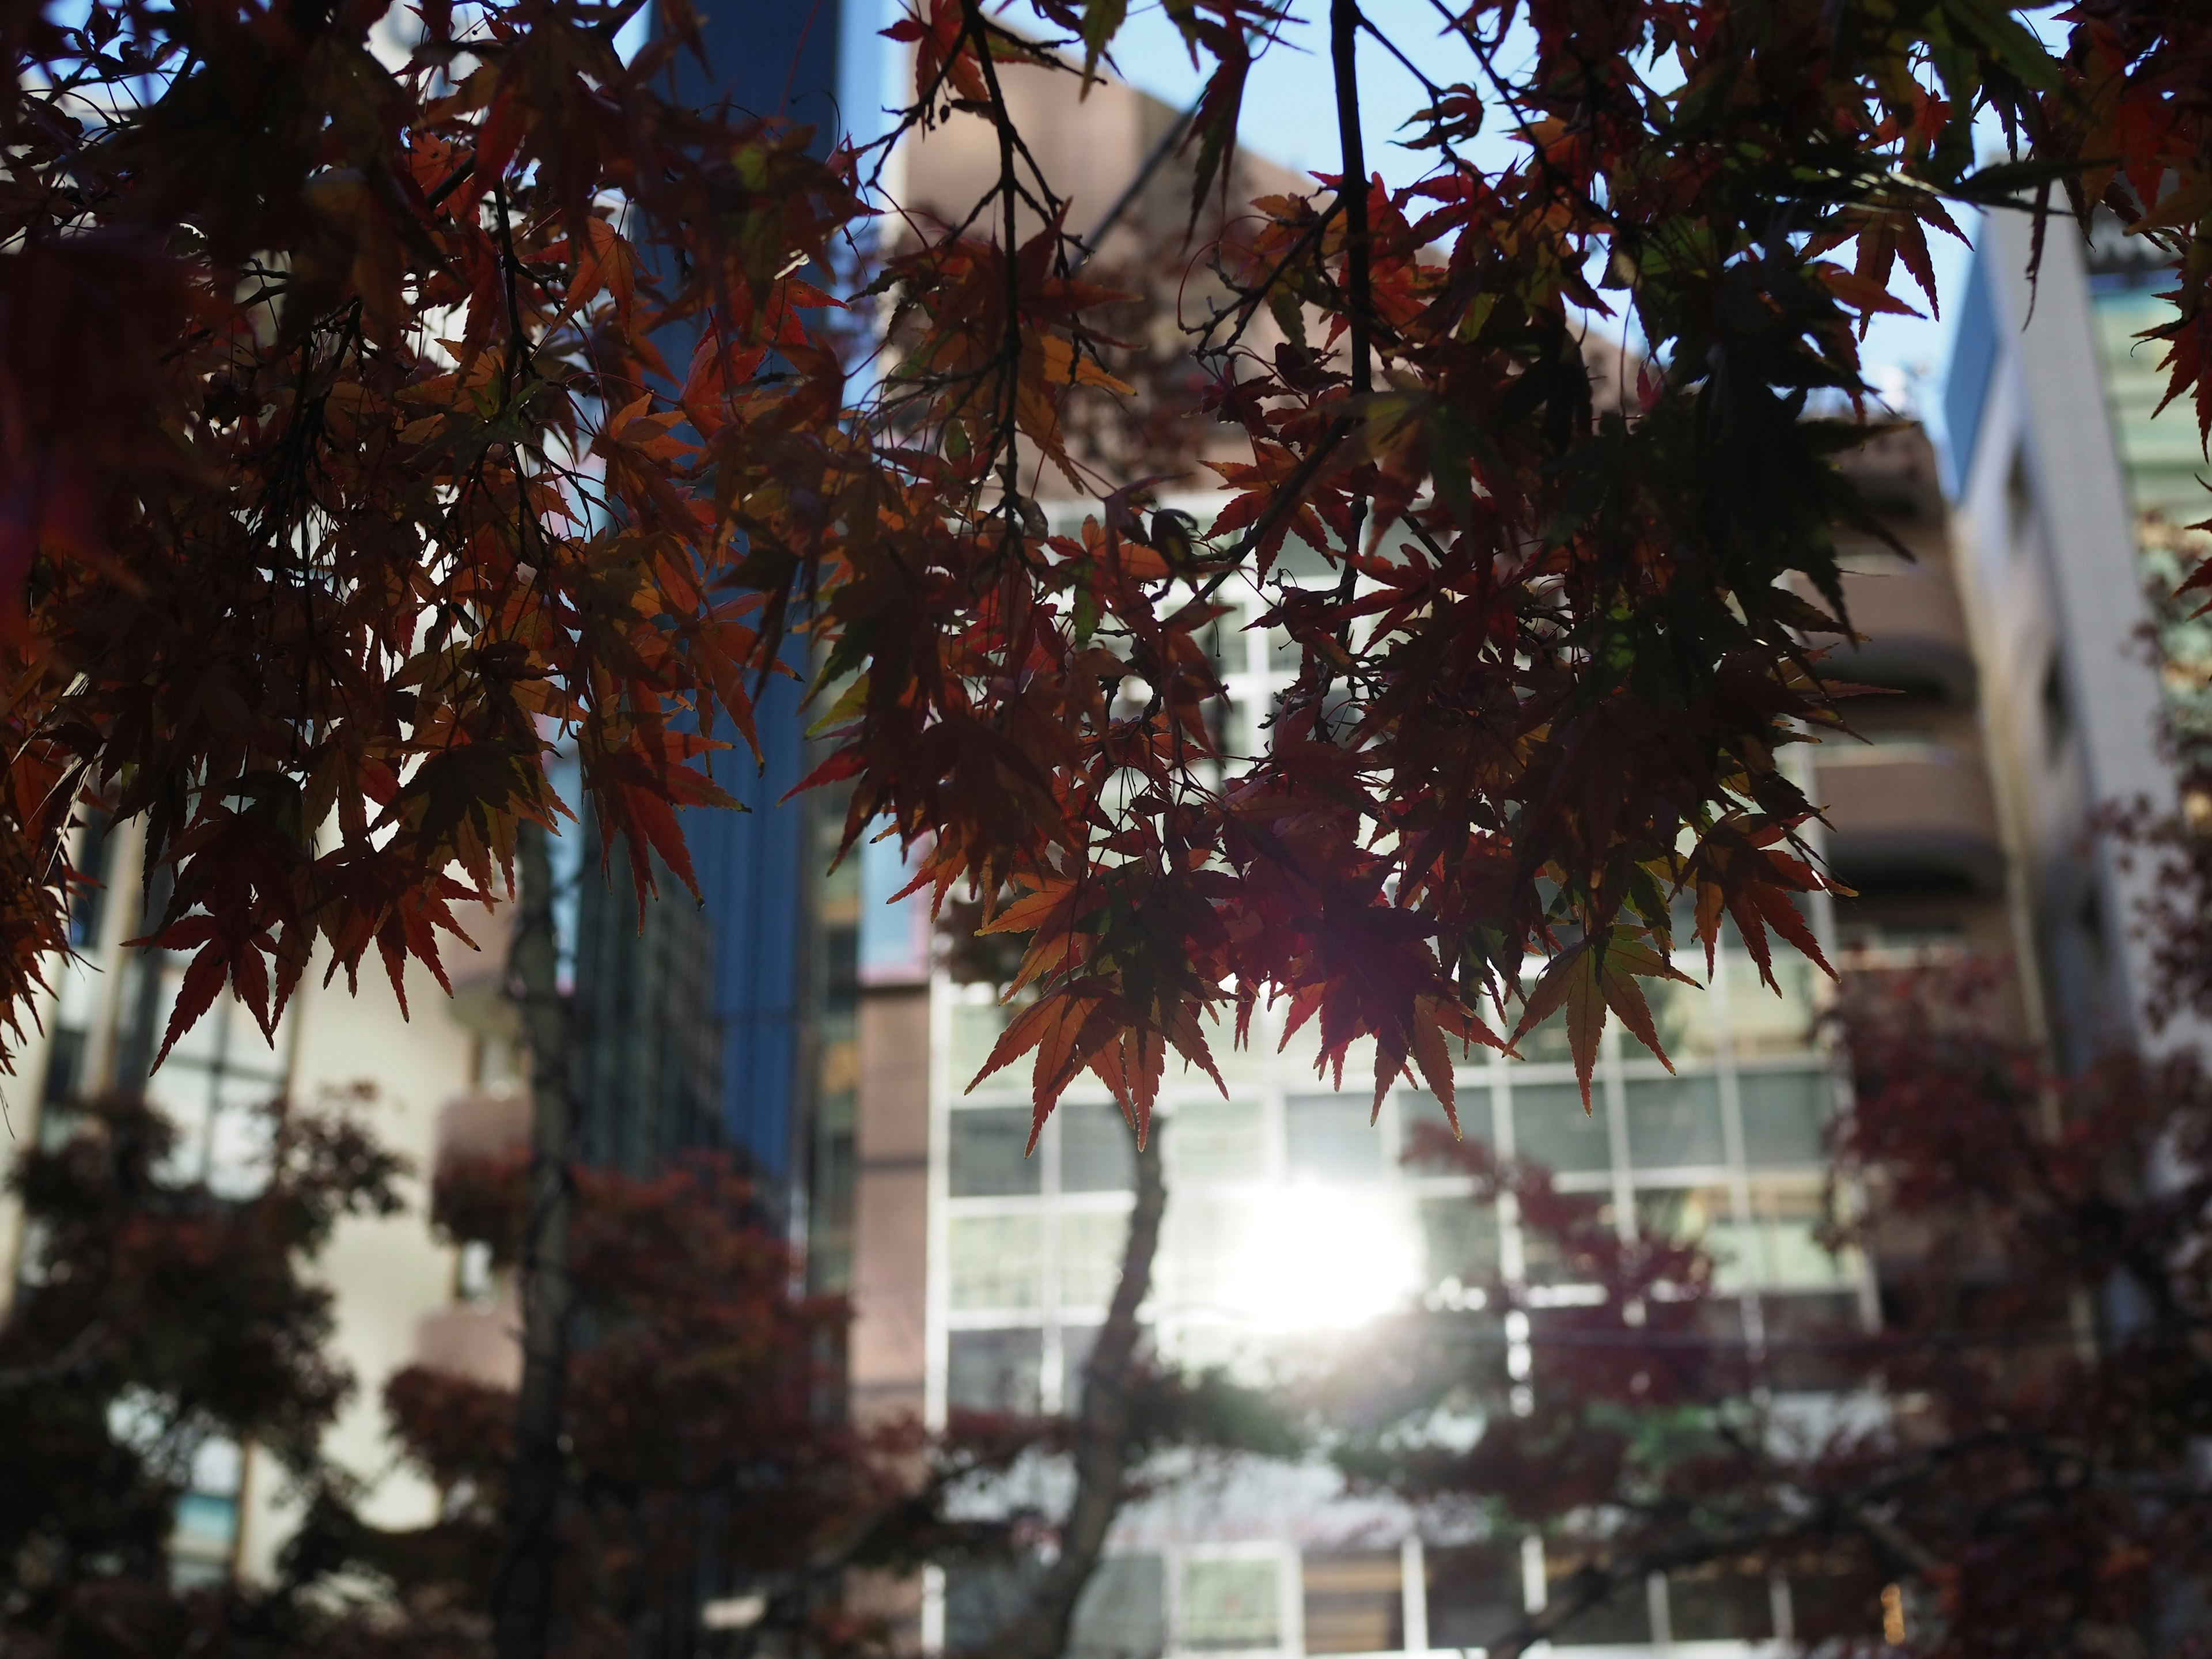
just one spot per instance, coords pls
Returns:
(375, 418)
(1549, 692)
(346, 472)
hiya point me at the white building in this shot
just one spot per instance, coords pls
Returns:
(2067, 494)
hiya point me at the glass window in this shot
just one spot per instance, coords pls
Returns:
(213, 1088)
(1459, 1240)
(1329, 1137)
(1623, 1617)
(1839, 1601)
(1204, 1246)
(1786, 1216)
(1091, 1247)
(1123, 1612)
(1474, 1593)
(1354, 1602)
(998, 1261)
(65, 1067)
(1419, 1111)
(1719, 1604)
(1550, 1127)
(1218, 1140)
(988, 1148)
(204, 1523)
(1783, 1115)
(975, 1027)
(1097, 1149)
(1684, 1017)
(1547, 1044)
(1232, 1604)
(1682, 1214)
(1675, 1121)
(1076, 1342)
(205, 1529)
(994, 1370)
(1763, 1022)
(981, 1598)
(241, 1143)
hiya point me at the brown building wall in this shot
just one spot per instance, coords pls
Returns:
(886, 1358)
(1914, 822)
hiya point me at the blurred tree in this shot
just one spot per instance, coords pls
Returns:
(159, 1319)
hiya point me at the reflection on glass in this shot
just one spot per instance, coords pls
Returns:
(1308, 1258)
(1076, 1342)
(1218, 1140)
(1232, 1604)
(1475, 1593)
(1623, 1617)
(1763, 1022)
(1675, 1121)
(1683, 1215)
(1418, 1110)
(994, 1370)
(988, 1150)
(975, 1027)
(1810, 1340)
(1091, 1245)
(1783, 1115)
(1202, 1245)
(1787, 1215)
(1547, 1044)
(1719, 1604)
(1123, 1612)
(1459, 1240)
(1552, 1127)
(1329, 1139)
(1098, 1148)
(981, 1597)
(997, 1262)
(1687, 1018)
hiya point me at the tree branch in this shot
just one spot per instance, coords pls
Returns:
(1104, 1439)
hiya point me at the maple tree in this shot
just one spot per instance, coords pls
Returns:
(701, 1456)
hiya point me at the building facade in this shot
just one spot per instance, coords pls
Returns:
(2070, 494)
(982, 1275)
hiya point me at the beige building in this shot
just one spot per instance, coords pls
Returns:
(396, 1286)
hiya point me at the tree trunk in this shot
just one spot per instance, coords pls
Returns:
(1104, 1441)
(522, 1594)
